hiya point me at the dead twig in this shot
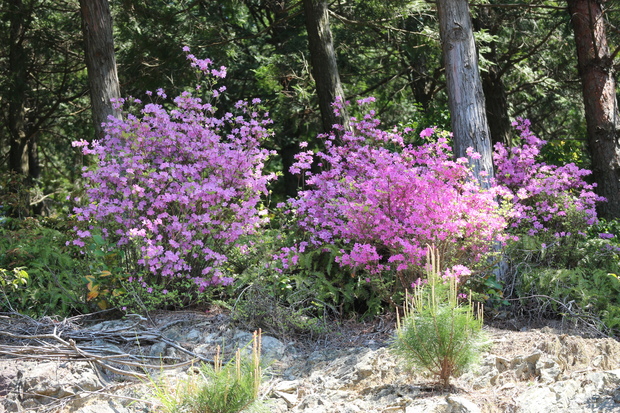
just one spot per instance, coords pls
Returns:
(63, 345)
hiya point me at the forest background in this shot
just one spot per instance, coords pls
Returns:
(530, 67)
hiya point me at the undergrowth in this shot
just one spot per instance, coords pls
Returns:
(229, 387)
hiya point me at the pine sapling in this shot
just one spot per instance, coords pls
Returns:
(438, 332)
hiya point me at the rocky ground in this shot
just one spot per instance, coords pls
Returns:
(86, 364)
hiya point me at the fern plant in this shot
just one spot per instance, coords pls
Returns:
(54, 285)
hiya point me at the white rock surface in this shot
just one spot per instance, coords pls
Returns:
(541, 372)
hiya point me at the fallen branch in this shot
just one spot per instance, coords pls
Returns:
(52, 346)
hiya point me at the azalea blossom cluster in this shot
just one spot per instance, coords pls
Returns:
(547, 199)
(384, 201)
(181, 184)
(178, 184)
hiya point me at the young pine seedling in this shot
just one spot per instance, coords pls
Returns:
(437, 332)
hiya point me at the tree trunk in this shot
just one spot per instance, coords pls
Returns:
(495, 96)
(496, 103)
(100, 61)
(465, 95)
(601, 105)
(18, 84)
(323, 59)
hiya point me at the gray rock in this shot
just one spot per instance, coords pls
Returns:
(501, 364)
(287, 386)
(365, 379)
(572, 395)
(548, 370)
(272, 349)
(194, 336)
(158, 350)
(461, 405)
(537, 400)
(314, 403)
(525, 366)
(485, 375)
(449, 404)
(434, 405)
(128, 323)
(58, 380)
(39, 383)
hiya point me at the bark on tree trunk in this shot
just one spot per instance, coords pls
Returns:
(601, 104)
(18, 68)
(23, 153)
(100, 60)
(465, 95)
(422, 82)
(496, 103)
(496, 99)
(323, 59)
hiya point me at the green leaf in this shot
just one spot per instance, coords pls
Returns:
(98, 239)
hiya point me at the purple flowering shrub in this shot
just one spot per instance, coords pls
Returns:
(177, 185)
(562, 252)
(548, 201)
(382, 201)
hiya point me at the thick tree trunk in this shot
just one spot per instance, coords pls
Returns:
(496, 99)
(323, 59)
(18, 84)
(23, 153)
(422, 82)
(465, 95)
(600, 101)
(496, 103)
(100, 60)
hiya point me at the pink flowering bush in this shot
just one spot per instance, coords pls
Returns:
(549, 201)
(175, 185)
(383, 201)
(562, 252)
